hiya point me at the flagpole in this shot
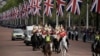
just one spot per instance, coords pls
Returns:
(87, 16)
(43, 15)
(69, 24)
(37, 20)
(17, 21)
(26, 21)
(43, 19)
(56, 20)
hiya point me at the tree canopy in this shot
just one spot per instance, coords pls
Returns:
(10, 4)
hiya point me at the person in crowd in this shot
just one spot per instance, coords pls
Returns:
(85, 35)
(63, 34)
(76, 35)
(96, 41)
(69, 34)
(72, 35)
(97, 37)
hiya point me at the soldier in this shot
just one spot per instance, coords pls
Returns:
(34, 40)
(63, 34)
(64, 38)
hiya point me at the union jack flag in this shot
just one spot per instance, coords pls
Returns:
(96, 6)
(25, 9)
(37, 7)
(48, 5)
(74, 6)
(20, 12)
(32, 8)
(60, 4)
(15, 12)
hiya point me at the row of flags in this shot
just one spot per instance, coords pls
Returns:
(34, 7)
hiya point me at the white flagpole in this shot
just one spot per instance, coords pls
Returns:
(56, 20)
(43, 14)
(87, 17)
(26, 21)
(37, 20)
(19, 21)
(43, 17)
(69, 20)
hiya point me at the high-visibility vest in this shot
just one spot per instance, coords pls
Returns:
(48, 39)
(97, 37)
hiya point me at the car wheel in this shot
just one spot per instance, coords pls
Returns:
(13, 39)
(24, 42)
(27, 44)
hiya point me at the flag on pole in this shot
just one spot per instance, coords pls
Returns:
(20, 12)
(74, 6)
(48, 6)
(25, 9)
(16, 10)
(60, 4)
(37, 7)
(32, 8)
(96, 6)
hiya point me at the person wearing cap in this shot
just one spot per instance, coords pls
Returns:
(63, 34)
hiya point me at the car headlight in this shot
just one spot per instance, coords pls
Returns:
(23, 35)
(13, 35)
(29, 36)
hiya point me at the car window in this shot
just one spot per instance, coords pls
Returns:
(18, 31)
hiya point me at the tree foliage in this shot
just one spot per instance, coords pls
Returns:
(10, 4)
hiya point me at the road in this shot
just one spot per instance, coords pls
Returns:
(18, 48)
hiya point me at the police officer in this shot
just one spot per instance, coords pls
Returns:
(48, 39)
(97, 37)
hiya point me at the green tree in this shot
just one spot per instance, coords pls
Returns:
(10, 4)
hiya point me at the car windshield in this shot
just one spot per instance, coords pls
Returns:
(18, 31)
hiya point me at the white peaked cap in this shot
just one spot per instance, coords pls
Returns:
(61, 26)
(57, 27)
(46, 25)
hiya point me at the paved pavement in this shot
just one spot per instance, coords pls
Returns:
(18, 48)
